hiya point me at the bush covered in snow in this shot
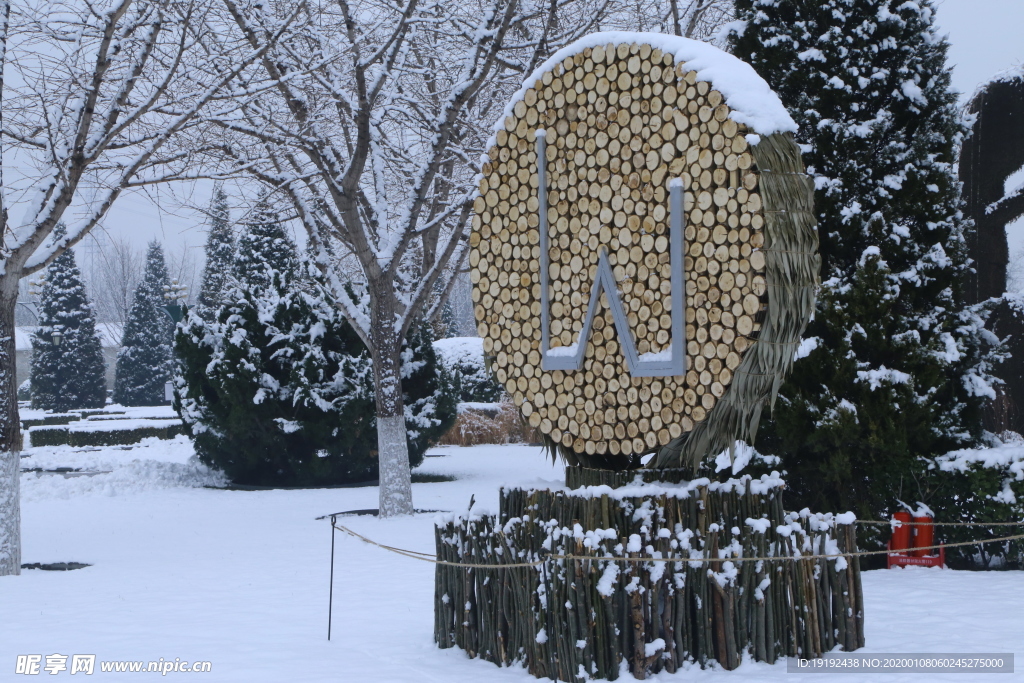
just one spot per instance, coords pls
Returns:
(463, 358)
(980, 485)
(119, 433)
(277, 388)
(489, 423)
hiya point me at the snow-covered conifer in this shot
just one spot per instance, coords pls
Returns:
(891, 370)
(67, 356)
(220, 255)
(144, 361)
(264, 248)
(991, 160)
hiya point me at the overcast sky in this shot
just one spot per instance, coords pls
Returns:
(985, 38)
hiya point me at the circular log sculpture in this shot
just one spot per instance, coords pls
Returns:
(644, 258)
(651, 297)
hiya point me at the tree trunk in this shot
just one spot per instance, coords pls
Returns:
(392, 443)
(10, 435)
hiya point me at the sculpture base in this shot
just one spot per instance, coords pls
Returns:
(598, 596)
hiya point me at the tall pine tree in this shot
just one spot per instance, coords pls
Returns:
(891, 373)
(144, 361)
(67, 356)
(220, 256)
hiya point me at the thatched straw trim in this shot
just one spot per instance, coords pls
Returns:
(791, 272)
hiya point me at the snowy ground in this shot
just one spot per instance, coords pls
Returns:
(240, 578)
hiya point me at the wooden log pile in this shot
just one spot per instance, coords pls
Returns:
(593, 617)
(620, 121)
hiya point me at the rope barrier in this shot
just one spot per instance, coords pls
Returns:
(429, 557)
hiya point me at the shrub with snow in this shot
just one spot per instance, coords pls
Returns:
(277, 388)
(463, 358)
(980, 485)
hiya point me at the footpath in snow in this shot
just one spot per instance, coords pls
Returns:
(240, 578)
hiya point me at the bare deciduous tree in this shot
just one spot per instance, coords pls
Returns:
(185, 268)
(368, 119)
(697, 19)
(93, 96)
(112, 278)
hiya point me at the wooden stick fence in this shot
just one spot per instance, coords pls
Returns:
(585, 617)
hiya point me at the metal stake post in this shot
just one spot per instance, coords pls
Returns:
(330, 598)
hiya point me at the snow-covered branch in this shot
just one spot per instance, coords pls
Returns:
(377, 119)
(112, 121)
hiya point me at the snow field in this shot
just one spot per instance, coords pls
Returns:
(240, 578)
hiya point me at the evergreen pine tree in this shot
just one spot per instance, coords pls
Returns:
(892, 373)
(220, 256)
(264, 248)
(448, 321)
(144, 361)
(68, 374)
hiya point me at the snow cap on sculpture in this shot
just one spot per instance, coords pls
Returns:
(671, 177)
(751, 99)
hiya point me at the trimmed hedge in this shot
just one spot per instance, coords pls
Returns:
(90, 413)
(56, 419)
(115, 416)
(64, 436)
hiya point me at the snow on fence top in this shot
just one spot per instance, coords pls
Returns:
(762, 485)
(749, 97)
